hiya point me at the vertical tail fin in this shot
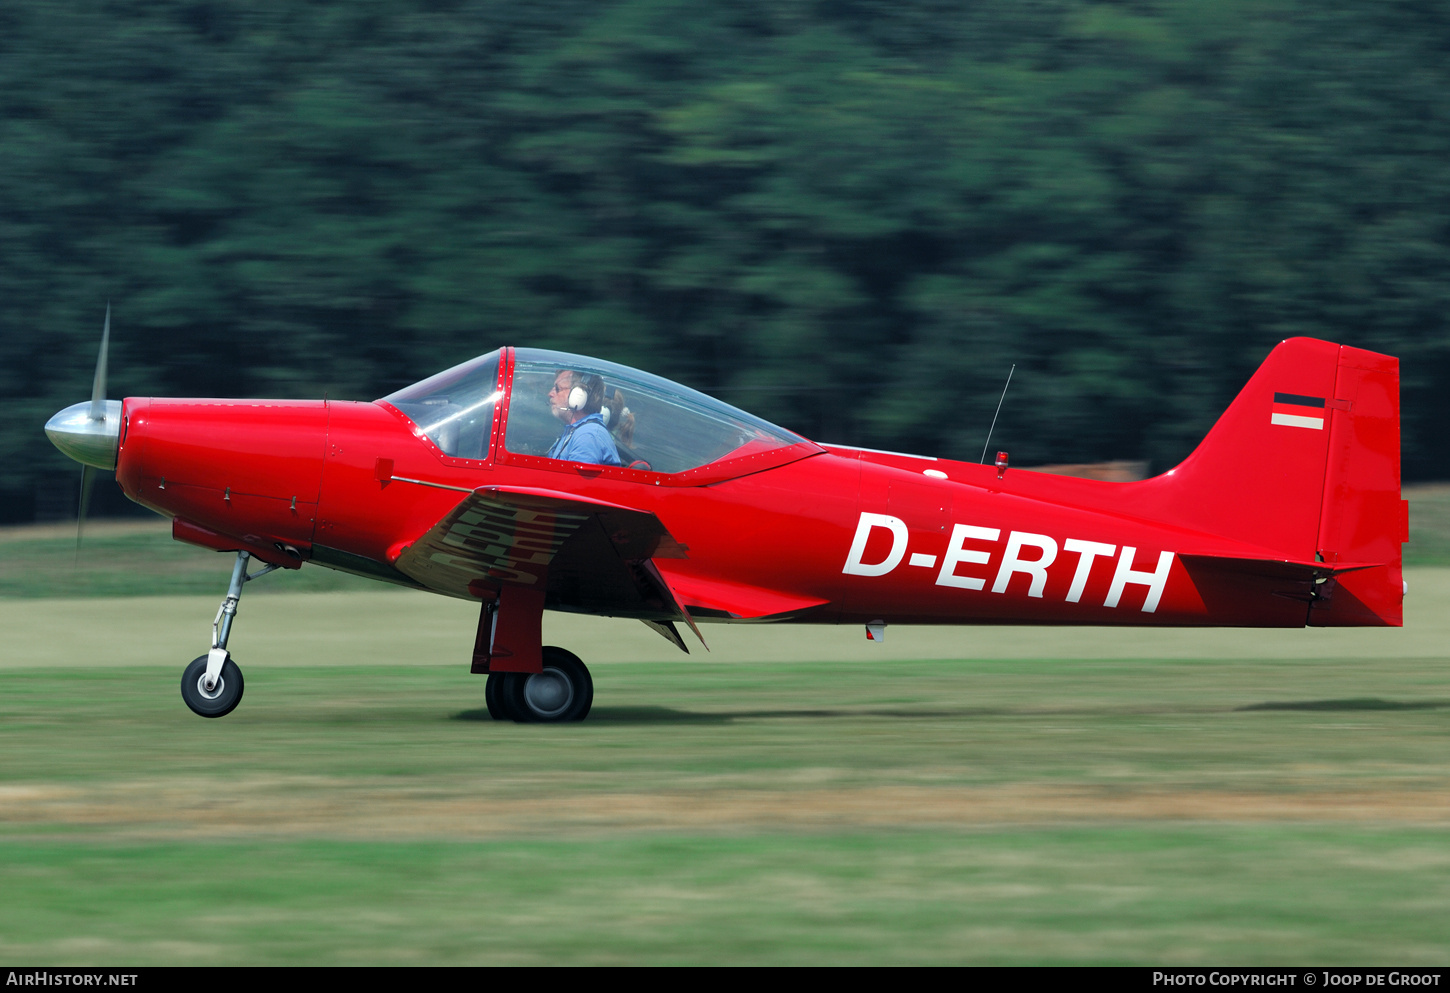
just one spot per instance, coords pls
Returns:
(1305, 463)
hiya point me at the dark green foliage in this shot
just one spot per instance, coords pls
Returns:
(850, 217)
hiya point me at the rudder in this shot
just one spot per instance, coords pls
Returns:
(1364, 518)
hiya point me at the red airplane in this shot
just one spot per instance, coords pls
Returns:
(486, 482)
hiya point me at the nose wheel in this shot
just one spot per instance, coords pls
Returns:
(563, 691)
(214, 698)
(212, 683)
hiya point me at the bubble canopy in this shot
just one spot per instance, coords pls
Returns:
(657, 426)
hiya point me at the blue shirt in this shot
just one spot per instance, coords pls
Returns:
(586, 440)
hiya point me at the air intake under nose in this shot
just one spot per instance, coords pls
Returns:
(89, 440)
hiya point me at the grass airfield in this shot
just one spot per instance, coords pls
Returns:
(795, 796)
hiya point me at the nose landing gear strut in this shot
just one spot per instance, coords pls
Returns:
(212, 683)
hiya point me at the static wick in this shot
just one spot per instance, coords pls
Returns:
(983, 459)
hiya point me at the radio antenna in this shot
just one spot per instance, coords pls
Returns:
(983, 459)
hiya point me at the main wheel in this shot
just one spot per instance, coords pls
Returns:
(564, 691)
(496, 698)
(221, 699)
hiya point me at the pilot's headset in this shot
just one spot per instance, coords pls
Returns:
(587, 393)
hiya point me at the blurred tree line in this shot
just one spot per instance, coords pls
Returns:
(848, 216)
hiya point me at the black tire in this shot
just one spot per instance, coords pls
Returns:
(564, 691)
(496, 698)
(223, 700)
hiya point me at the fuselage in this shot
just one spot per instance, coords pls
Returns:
(840, 535)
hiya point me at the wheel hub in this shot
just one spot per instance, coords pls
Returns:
(548, 693)
(214, 692)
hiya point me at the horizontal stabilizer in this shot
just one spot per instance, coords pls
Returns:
(1287, 569)
(1323, 591)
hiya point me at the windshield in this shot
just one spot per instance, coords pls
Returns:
(653, 424)
(455, 408)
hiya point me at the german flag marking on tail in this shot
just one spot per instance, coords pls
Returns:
(1294, 411)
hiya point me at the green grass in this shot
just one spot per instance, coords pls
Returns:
(1185, 895)
(797, 796)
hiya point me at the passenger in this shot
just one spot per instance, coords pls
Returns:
(619, 420)
(575, 399)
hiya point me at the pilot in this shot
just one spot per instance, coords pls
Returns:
(576, 399)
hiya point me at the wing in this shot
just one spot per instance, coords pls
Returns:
(588, 556)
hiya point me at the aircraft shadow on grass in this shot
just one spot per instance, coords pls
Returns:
(668, 715)
(1357, 703)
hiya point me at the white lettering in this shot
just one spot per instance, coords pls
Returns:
(1125, 574)
(1086, 552)
(1012, 561)
(956, 555)
(917, 558)
(854, 565)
